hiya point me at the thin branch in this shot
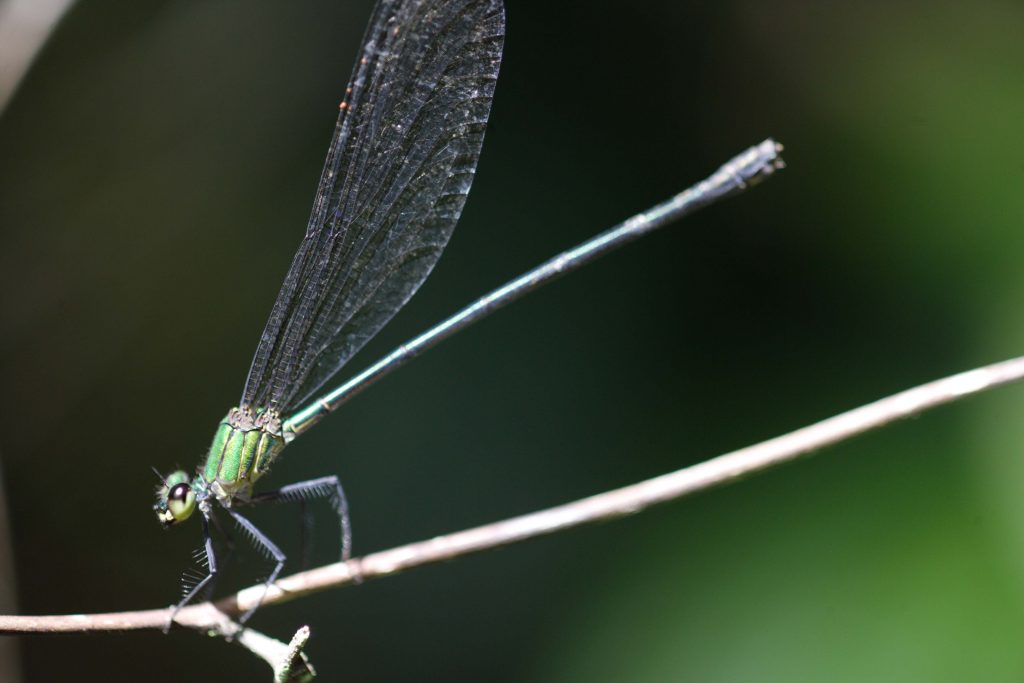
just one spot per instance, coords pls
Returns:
(617, 503)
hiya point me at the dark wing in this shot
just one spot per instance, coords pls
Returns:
(396, 177)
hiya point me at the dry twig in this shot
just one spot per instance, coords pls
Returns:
(616, 503)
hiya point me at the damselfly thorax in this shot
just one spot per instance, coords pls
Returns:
(246, 442)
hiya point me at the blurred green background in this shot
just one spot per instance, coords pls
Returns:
(156, 170)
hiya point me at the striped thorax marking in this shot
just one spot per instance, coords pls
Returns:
(244, 446)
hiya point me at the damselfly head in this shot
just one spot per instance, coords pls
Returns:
(175, 499)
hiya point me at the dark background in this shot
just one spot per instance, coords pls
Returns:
(156, 172)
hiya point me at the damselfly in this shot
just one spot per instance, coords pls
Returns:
(397, 174)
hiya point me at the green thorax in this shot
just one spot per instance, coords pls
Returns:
(245, 444)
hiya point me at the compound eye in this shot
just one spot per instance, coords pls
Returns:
(181, 501)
